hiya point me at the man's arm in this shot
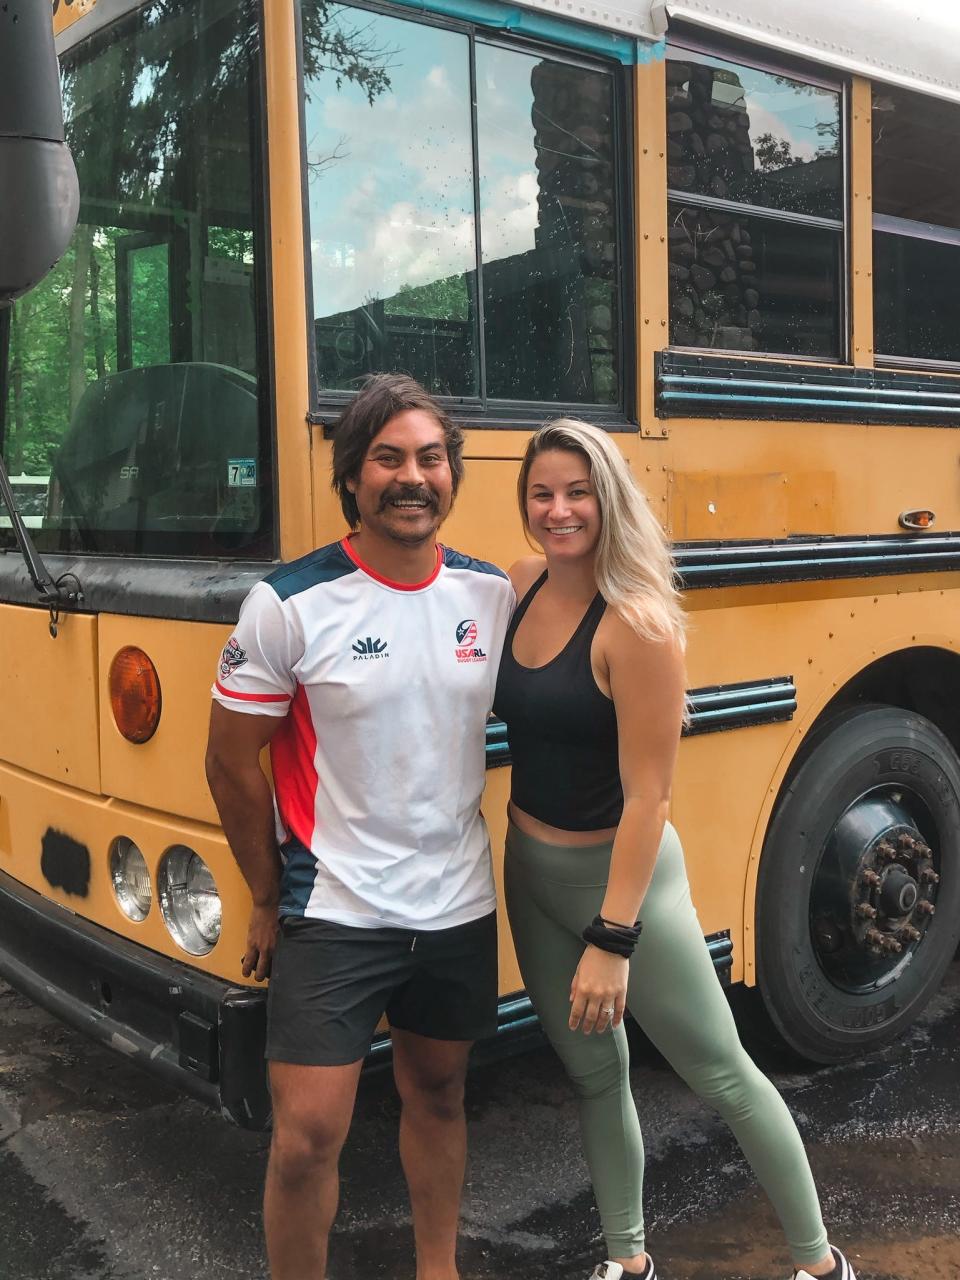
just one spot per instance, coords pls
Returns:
(244, 801)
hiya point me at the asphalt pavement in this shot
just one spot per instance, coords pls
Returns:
(106, 1175)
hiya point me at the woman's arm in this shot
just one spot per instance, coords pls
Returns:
(647, 687)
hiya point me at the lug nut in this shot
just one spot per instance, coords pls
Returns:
(870, 879)
(925, 908)
(885, 851)
(909, 932)
(874, 937)
(929, 876)
(906, 842)
(866, 911)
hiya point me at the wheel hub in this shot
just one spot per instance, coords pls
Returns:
(874, 893)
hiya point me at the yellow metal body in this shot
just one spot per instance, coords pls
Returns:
(67, 767)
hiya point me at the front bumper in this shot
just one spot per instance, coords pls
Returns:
(199, 1033)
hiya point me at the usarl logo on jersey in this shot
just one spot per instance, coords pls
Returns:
(467, 649)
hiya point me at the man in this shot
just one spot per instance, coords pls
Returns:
(369, 666)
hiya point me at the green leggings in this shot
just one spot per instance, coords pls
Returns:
(552, 892)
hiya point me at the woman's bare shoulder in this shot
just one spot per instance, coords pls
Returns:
(525, 572)
(624, 646)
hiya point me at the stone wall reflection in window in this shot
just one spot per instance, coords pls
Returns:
(548, 217)
(743, 283)
(767, 278)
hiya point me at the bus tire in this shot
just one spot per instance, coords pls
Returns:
(858, 898)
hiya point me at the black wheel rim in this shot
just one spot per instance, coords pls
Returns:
(874, 890)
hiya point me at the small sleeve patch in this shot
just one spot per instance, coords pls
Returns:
(231, 658)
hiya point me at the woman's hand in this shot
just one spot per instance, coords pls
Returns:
(599, 986)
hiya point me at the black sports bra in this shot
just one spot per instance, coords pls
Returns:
(562, 731)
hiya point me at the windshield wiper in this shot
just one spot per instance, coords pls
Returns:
(56, 594)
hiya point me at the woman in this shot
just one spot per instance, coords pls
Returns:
(591, 687)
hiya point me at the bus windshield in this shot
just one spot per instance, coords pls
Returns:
(134, 367)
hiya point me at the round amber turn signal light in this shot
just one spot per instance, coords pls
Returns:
(135, 694)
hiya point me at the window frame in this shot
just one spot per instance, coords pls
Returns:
(731, 51)
(484, 411)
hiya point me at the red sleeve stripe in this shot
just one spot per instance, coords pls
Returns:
(253, 697)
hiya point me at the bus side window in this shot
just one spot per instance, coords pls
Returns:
(487, 269)
(136, 363)
(916, 225)
(765, 277)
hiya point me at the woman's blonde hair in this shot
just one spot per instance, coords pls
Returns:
(634, 567)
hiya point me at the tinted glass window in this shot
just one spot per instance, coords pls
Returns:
(769, 278)
(916, 297)
(523, 306)
(752, 284)
(916, 157)
(133, 373)
(390, 182)
(548, 217)
(741, 134)
(916, 242)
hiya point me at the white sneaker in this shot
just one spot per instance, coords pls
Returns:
(614, 1271)
(842, 1269)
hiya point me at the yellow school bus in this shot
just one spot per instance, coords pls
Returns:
(728, 235)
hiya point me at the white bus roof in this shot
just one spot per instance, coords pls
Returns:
(915, 44)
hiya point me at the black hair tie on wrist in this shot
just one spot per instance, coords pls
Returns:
(618, 939)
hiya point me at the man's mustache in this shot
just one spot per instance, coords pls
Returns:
(418, 494)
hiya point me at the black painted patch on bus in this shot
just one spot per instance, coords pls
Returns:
(65, 863)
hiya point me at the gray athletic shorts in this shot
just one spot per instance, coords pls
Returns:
(331, 983)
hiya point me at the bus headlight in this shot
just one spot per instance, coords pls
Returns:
(131, 879)
(189, 900)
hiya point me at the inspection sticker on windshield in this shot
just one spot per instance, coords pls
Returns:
(242, 473)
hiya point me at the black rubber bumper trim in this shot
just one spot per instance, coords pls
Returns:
(737, 706)
(813, 559)
(707, 386)
(196, 1032)
(187, 590)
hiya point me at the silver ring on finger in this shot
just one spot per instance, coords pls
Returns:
(609, 1012)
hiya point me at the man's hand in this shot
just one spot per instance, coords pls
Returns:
(598, 993)
(261, 941)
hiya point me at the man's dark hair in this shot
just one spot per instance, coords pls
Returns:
(382, 397)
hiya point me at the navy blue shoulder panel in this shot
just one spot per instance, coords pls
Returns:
(326, 564)
(457, 560)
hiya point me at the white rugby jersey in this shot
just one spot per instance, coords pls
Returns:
(379, 766)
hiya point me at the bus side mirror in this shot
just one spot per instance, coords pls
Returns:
(40, 194)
